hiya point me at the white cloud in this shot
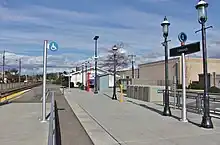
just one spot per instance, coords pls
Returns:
(140, 31)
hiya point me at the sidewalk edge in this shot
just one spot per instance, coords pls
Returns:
(96, 133)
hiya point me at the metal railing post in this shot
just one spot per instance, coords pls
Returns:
(52, 125)
(163, 97)
(178, 100)
(198, 103)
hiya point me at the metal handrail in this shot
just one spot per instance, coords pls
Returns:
(52, 125)
(198, 96)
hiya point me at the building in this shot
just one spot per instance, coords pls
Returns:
(213, 80)
(153, 73)
(106, 81)
(128, 73)
(80, 76)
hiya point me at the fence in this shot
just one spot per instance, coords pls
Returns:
(52, 122)
(194, 101)
(150, 82)
(10, 86)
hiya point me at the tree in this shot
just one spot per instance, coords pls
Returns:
(107, 62)
(14, 71)
(64, 72)
(12, 75)
(52, 76)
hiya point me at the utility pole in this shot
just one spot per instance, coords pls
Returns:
(132, 63)
(19, 79)
(3, 67)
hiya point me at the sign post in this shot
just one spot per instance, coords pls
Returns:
(44, 82)
(184, 119)
(182, 51)
(182, 38)
(53, 47)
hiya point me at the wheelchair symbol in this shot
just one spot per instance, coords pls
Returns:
(53, 46)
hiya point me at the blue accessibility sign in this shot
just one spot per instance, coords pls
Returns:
(53, 46)
(182, 37)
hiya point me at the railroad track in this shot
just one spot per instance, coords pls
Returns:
(6, 93)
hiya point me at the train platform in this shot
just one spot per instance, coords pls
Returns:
(20, 124)
(20, 120)
(134, 122)
(69, 129)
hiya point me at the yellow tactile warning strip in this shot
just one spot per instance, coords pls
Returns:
(13, 96)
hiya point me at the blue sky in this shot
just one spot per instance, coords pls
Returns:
(24, 24)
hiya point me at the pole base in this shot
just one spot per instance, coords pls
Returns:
(166, 111)
(183, 120)
(114, 97)
(206, 122)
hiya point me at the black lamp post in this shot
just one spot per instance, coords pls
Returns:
(202, 18)
(96, 58)
(114, 48)
(165, 24)
(86, 66)
(82, 76)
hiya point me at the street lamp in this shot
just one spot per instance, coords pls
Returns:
(114, 48)
(202, 18)
(96, 57)
(86, 71)
(82, 76)
(165, 24)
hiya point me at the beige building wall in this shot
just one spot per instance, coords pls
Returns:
(194, 66)
(128, 72)
(154, 71)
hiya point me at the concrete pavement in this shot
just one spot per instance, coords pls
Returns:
(20, 125)
(136, 122)
(70, 131)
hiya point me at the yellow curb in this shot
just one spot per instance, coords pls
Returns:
(13, 96)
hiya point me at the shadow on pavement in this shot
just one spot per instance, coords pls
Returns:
(110, 97)
(161, 113)
(107, 95)
(58, 133)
